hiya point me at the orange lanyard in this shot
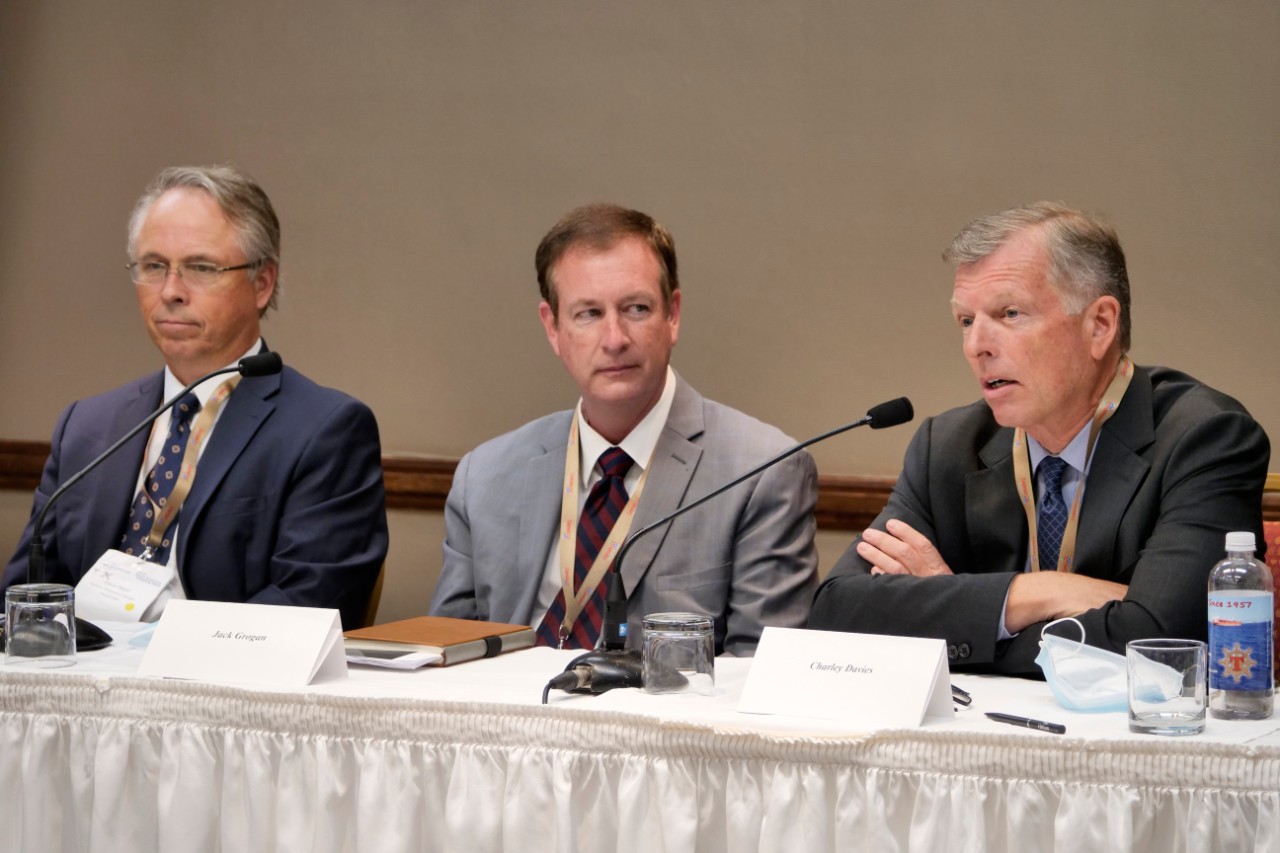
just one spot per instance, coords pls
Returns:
(1023, 476)
(164, 515)
(569, 509)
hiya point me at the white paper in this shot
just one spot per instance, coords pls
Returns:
(263, 644)
(869, 680)
(120, 587)
(393, 659)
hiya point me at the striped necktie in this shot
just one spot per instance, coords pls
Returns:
(605, 502)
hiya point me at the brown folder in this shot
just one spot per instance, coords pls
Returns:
(455, 640)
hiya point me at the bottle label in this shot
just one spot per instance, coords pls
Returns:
(1240, 654)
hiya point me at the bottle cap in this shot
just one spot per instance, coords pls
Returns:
(1241, 540)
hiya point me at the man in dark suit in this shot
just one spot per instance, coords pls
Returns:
(286, 504)
(1082, 485)
(611, 312)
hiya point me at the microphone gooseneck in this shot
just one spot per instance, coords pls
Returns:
(887, 414)
(261, 364)
(621, 665)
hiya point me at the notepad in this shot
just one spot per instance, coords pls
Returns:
(454, 640)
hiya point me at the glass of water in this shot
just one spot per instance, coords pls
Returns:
(40, 625)
(679, 653)
(1167, 686)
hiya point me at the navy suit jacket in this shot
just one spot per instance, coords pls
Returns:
(287, 507)
(1176, 467)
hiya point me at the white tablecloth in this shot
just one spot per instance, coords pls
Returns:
(465, 758)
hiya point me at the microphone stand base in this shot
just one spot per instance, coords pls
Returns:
(89, 637)
(610, 668)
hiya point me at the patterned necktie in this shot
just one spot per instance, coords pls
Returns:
(1051, 521)
(160, 482)
(604, 504)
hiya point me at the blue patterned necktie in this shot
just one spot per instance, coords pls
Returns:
(1051, 520)
(605, 502)
(160, 482)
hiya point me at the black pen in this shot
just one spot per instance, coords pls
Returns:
(1055, 728)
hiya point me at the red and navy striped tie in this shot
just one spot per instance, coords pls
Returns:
(607, 499)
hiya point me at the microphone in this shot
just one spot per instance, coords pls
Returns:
(261, 364)
(620, 667)
(267, 364)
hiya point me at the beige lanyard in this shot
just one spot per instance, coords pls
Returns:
(575, 601)
(1022, 470)
(164, 515)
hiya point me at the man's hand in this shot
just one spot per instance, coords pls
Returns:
(1044, 596)
(901, 550)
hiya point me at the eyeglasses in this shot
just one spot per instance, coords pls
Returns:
(195, 274)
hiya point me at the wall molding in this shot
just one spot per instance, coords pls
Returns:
(845, 502)
(422, 483)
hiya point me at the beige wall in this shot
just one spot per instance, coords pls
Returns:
(812, 160)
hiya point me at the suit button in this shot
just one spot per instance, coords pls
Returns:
(964, 650)
(951, 651)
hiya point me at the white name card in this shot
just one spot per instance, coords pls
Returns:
(868, 680)
(264, 644)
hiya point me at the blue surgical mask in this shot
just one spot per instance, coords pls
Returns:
(1087, 678)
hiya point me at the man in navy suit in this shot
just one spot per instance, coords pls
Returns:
(287, 503)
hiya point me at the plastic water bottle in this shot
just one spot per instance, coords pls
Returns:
(1241, 613)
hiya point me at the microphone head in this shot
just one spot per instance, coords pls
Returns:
(891, 413)
(262, 364)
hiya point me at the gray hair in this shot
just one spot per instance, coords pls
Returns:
(1085, 258)
(243, 202)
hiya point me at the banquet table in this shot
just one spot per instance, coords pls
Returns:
(96, 758)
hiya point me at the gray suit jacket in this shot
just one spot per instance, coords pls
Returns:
(1176, 467)
(746, 558)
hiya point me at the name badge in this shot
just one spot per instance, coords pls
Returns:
(120, 587)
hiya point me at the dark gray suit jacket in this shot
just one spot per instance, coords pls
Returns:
(746, 558)
(1177, 467)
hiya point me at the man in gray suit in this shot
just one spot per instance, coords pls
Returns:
(1082, 485)
(611, 311)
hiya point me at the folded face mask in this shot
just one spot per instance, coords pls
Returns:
(1087, 678)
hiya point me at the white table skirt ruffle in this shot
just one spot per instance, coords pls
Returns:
(129, 764)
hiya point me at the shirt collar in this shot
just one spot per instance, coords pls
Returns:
(639, 443)
(205, 389)
(1074, 454)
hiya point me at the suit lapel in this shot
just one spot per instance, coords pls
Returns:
(675, 459)
(245, 411)
(116, 480)
(1116, 472)
(994, 516)
(543, 475)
